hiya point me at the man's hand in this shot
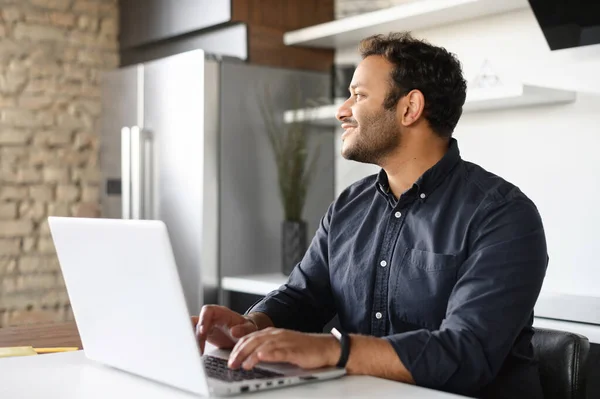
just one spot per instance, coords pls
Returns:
(221, 326)
(274, 345)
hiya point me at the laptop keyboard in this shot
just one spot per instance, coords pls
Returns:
(216, 367)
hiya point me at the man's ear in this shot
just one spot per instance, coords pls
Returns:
(411, 107)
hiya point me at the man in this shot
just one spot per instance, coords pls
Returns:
(433, 266)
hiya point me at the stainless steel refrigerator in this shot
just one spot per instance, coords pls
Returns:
(181, 141)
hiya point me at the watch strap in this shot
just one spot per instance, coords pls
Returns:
(344, 340)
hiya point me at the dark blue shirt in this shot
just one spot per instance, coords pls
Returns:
(448, 273)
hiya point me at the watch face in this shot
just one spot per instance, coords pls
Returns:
(336, 333)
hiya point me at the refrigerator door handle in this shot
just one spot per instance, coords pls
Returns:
(147, 177)
(136, 171)
(126, 173)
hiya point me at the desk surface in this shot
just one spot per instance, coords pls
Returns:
(71, 376)
(41, 335)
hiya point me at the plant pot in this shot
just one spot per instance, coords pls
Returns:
(293, 244)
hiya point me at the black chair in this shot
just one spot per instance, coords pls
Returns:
(562, 358)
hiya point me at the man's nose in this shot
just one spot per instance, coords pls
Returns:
(344, 111)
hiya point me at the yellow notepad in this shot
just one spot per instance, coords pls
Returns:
(30, 351)
(17, 351)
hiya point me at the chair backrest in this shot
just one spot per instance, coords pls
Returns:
(562, 358)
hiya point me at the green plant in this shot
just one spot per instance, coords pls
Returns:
(290, 144)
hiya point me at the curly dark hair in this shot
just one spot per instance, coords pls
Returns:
(419, 65)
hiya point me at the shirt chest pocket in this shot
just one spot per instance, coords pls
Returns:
(422, 286)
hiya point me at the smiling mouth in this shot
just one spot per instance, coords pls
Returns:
(347, 131)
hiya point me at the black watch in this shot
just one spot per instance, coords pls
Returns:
(344, 340)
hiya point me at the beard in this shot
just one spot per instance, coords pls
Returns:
(376, 138)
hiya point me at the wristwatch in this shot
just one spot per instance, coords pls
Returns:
(344, 340)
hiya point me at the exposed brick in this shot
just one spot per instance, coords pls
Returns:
(14, 137)
(44, 228)
(93, 90)
(8, 173)
(14, 155)
(108, 27)
(18, 300)
(8, 265)
(86, 210)
(98, 58)
(85, 140)
(16, 228)
(29, 244)
(29, 175)
(62, 19)
(10, 246)
(45, 245)
(9, 285)
(42, 157)
(55, 137)
(67, 121)
(90, 194)
(12, 192)
(67, 193)
(7, 102)
(8, 210)
(49, 68)
(35, 102)
(37, 16)
(36, 281)
(44, 193)
(41, 86)
(35, 211)
(59, 209)
(38, 33)
(52, 297)
(69, 54)
(94, 7)
(38, 263)
(56, 175)
(73, 157)
(87, 175)
(52, 56)
(52, 4)
(12, 82)
(26, 118)
(94, 108)
(86, 22)
(75, 73)
(60, 282)
(11, 13)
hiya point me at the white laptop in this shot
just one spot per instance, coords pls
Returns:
(130, 310)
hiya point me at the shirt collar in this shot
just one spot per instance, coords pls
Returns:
(430, 179)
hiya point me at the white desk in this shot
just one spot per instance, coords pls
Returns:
(71, 376)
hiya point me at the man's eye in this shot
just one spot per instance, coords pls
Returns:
(358, 96)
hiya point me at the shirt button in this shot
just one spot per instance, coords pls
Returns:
(422, 195)
(397, 214)
(378, 315)
(383, 263)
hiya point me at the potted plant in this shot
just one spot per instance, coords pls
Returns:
(296, 165)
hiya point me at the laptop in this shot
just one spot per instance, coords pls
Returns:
(131, 313)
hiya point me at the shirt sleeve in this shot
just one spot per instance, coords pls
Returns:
(492, 301)
(305, 302)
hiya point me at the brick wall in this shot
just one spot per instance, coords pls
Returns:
(51, 55)
(347, 8)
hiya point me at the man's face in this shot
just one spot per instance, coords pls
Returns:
(371, 132)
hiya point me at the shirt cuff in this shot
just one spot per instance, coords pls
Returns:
(424, 357)
(278, 313)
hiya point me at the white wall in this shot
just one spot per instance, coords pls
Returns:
(550, 152)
